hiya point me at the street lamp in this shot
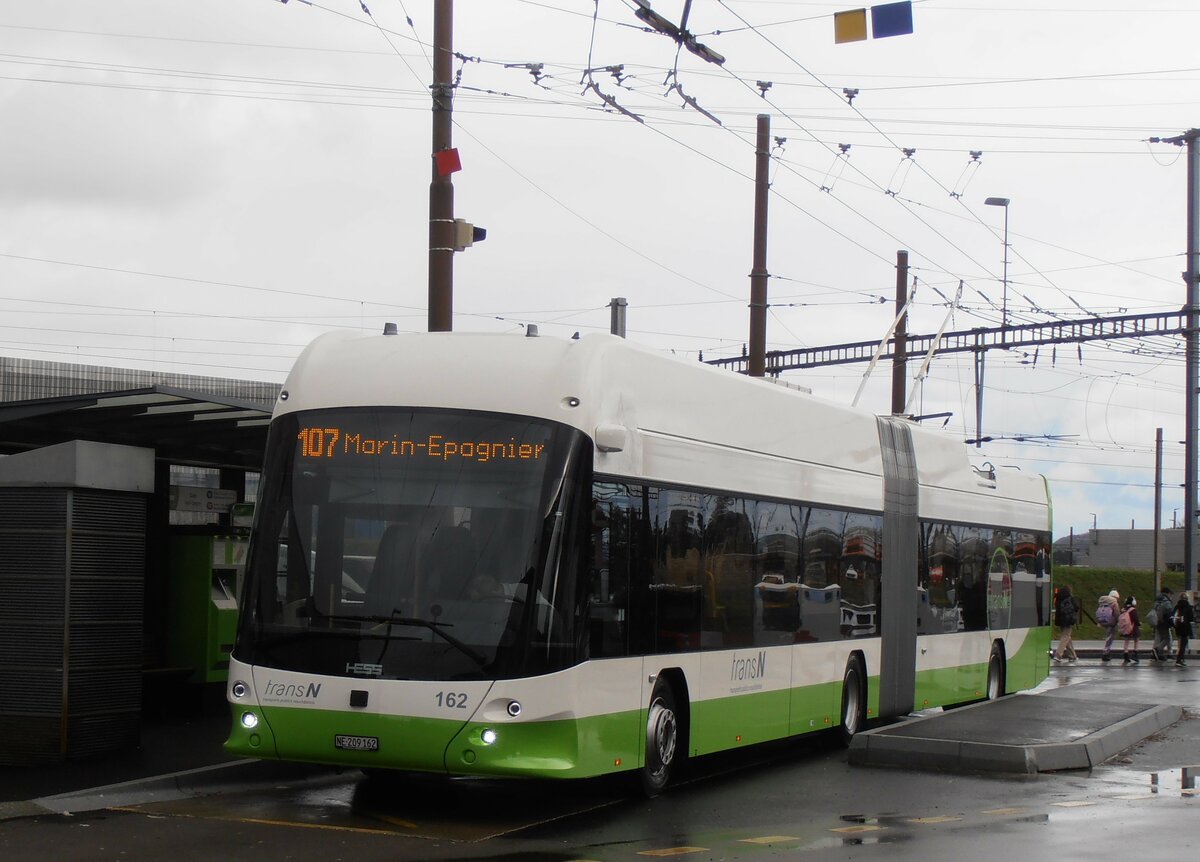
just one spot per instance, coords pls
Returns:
(1003, 202)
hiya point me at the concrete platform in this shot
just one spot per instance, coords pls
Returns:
(1018, 734)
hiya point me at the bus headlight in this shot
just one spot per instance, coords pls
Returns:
(239, 689)
(488, 736)
(249, 720)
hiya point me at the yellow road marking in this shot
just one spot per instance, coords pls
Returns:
(134, 809)
(999, 812)
(942, 819)
(1078, 803)
(769, 839)
(1138, 796)
(395, 821)
(673, 851)
(852, 829)
(269, 822)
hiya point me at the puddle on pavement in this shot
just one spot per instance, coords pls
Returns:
(1183, 782)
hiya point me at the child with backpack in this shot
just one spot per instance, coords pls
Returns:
(1128, 626)
(1160, 619)
(1066, 614)
(1184, 616)
(1106, 617)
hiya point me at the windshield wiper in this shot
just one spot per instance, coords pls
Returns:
(434, 626)
(396, 618)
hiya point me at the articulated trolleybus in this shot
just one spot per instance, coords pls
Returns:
(519, 556)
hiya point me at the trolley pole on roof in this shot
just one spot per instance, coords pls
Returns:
(757, 366)
(616, 317)
(900, 337)
(441, 189)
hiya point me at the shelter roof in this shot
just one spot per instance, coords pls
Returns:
(183, 426)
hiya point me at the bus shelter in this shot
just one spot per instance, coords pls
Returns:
(107, 607)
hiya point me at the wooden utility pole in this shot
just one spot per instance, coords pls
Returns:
(1192, 355)
(758, 274)
(1158, 459)
(1191, 308)
(441, 189)
(899, 368)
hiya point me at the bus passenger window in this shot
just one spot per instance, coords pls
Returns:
(729, 588)
(615, 524)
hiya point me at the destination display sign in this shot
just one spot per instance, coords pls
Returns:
(348, 443)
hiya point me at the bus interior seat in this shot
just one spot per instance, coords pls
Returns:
(392, 574)
(450, 562)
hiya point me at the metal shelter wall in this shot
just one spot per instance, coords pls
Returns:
(72, 572)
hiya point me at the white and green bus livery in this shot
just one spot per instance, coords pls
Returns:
(498, 555)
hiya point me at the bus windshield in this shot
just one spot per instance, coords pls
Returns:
(415, 544)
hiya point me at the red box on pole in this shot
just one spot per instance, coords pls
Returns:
(447, 161)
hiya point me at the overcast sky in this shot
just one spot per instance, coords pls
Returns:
(206, 186)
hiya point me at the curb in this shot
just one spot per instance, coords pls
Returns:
(245, 774)
(889, 746)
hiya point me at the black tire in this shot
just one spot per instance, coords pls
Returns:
(854, 702)
(662, 740)
(995, 674)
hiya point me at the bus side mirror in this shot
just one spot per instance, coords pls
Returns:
(610, 438)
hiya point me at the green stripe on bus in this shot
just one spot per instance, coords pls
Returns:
(597, 745)
(564, 749)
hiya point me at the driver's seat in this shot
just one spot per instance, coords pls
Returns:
(449, 563)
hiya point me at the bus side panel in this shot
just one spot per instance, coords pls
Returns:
(937, 677)
(1028, 657)
(565, 748)
(584, 721)
(740, 698)
(952, 668)
(816, 685)
(742, 719)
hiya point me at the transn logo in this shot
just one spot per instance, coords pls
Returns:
(294, 691)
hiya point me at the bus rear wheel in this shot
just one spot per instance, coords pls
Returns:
(854, 701)
(995, 674)
(662, 740)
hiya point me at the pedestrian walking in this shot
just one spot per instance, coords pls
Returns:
(1160, 619)
(1107, 610)
(1128, 626)
(1066, 614)
(1184, 617)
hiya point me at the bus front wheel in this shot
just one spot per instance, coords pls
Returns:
(662, 739)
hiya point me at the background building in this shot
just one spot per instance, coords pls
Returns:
(1121, 549)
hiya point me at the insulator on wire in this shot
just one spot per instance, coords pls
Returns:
(837, 168)
(901, 172)
(968, 173)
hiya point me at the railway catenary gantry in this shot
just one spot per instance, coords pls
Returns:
(975, 340)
